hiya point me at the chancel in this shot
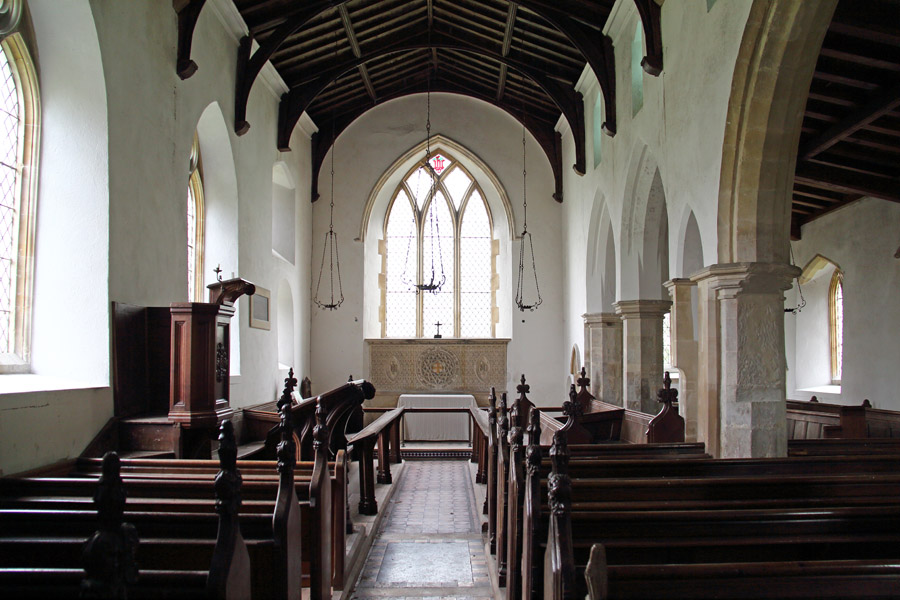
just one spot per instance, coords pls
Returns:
(617, 284)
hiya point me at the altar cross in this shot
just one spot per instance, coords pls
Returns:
(438, 334)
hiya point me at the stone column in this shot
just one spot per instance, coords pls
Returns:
(684, 351)
(642, 344)
(741, 357)
(603, 355)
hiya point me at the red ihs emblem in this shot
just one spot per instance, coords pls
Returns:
(437, 163)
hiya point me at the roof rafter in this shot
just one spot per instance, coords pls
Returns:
(298, 99)
(549, 139)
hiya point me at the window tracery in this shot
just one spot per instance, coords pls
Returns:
(451, 226)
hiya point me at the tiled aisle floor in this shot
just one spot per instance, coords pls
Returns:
(430, 544)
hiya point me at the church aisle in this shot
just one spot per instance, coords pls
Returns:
(430, 544)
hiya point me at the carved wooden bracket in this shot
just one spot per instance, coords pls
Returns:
(226, 292)
(652, 24)
(188, 12)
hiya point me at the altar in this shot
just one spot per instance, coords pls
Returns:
(450, 426)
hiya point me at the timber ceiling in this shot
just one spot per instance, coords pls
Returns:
(850, 141)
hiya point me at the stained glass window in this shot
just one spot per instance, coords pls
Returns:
(422, 230)
(836, 306)
(10, 149)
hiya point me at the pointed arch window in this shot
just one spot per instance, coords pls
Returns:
(19, 127)
(836, 325)
(461, 239)
(195, 225)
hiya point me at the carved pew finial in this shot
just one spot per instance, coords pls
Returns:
(523, 388)
(285, 518)
(229, 573)
(290, 383)
(667, 395)
(667, 426)
(320, 432)
(109, 555)
(559, 561)
(533, 451)
(571, 409)
(522, 405)
(866, 403)
(286, 451)
(306, 388)
(584, 381)
(502, 419)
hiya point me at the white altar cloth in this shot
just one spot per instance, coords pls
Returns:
(436, 426)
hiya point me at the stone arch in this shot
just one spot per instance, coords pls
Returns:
(771, 80)
(644, 247)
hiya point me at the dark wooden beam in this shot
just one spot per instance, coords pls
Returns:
(651, 22)
(841, 180)
(507, 42)
(354, 46)
(596, 48)
(880, 104)
(248, 67)
(567, 100)
(549, 140)
(188, 12)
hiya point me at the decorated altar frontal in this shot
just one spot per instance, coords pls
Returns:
(437, 368)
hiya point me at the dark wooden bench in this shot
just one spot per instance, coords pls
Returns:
(179, 529)
(779, 510)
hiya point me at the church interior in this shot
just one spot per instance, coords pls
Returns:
(494, 246)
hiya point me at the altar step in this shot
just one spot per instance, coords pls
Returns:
(436, 451)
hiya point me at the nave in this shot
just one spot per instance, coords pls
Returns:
(429, 544)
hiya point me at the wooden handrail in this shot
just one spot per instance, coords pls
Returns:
(374, 428)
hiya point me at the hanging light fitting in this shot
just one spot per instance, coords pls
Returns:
(437, 277)
(526, 239)
(331, 250)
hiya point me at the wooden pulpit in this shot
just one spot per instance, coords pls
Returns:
(200, 366)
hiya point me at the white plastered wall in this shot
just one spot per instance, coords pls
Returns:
(365, 151)
(860, 238)
(151, 115)
(679, 129)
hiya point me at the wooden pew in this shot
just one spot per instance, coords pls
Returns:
(182, 538)
(385, 430)
(720, 516)
(817, 420)
(820, 579)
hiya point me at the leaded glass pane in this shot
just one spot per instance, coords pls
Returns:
(419, 184)
(9, 209)
(191, 238)
(667, 342)
(439, 163)
(838, 331)
(437, 250)
(402, 253)
(457, 182)
(475, 270)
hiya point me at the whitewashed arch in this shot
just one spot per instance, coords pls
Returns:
(220, 194)
(600, 275)
(688, 253)
(644, 262)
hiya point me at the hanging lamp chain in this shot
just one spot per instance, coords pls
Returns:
(526, 239)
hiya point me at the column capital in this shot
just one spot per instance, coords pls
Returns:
(602, 318)
(636, 309)
(733, 279)
(679, 282)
